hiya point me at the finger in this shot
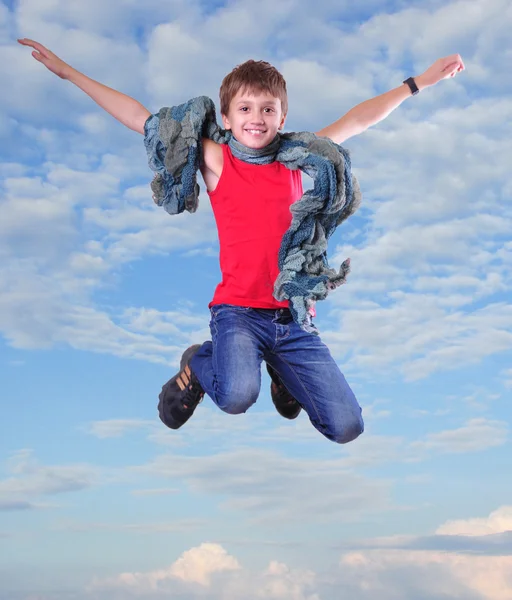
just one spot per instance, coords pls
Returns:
(33, 44)
(453, 58)
(448, 61)
(450, 67)
(27, 42)
(458, 59)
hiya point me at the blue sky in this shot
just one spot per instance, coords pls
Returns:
(100, 292)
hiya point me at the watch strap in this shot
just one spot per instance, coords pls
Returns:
(412, 86)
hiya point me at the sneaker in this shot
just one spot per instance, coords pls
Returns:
(181, 394)
(285, 403)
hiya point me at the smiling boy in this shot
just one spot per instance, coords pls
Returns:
(251, 193)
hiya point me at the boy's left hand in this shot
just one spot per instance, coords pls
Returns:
(443, 68)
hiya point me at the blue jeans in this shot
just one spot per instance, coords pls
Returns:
(229, 368)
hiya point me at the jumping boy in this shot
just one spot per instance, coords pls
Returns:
(251, 190)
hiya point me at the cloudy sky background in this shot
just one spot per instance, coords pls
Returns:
(100, 292)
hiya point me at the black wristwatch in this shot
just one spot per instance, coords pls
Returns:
(412, 86)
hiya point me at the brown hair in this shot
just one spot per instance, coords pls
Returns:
(256, 75)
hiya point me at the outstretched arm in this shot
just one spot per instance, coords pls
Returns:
(370, 112)
(124, 108)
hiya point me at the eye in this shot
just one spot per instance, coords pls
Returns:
(269, 110)
(244, 108)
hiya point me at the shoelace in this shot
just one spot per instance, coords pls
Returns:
(192, 398)
(193, 392)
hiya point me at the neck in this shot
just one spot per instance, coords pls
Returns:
(255, 156)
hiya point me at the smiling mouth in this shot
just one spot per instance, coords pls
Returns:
(255, 131)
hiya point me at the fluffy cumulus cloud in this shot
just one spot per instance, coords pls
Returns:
(498, 521)
(209, 571)
(452, 563)
(403, 575)
(199, 564)
(385, 570)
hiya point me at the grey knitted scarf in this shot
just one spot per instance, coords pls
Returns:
(255, 156)
(173, 140)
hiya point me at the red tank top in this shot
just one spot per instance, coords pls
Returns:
(251, 204)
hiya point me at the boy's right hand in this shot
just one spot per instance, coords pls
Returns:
(48, 58)
(125, 109)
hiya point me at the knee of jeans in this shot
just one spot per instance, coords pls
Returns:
(349, 431)
(237, 401)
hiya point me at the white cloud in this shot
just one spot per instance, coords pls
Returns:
(58, 321)
(383, 569)
(166, 78)
(430, 269)
(476, 435)
(306, 78)
(259, 480)
(116, 427)
(498, 521)
(404, 574)
(196, 566)
(419, 335)
(209, 571)
(46, 254)
(30, 482)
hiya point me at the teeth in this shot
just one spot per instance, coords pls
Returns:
(255, 131)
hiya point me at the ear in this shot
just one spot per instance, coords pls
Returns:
(225, 121)
(281, 124)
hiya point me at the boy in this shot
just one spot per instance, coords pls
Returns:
(251, 194)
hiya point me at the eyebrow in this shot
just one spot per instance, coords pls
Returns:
(246, 101)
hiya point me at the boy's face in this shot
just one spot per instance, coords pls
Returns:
(254, 118)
